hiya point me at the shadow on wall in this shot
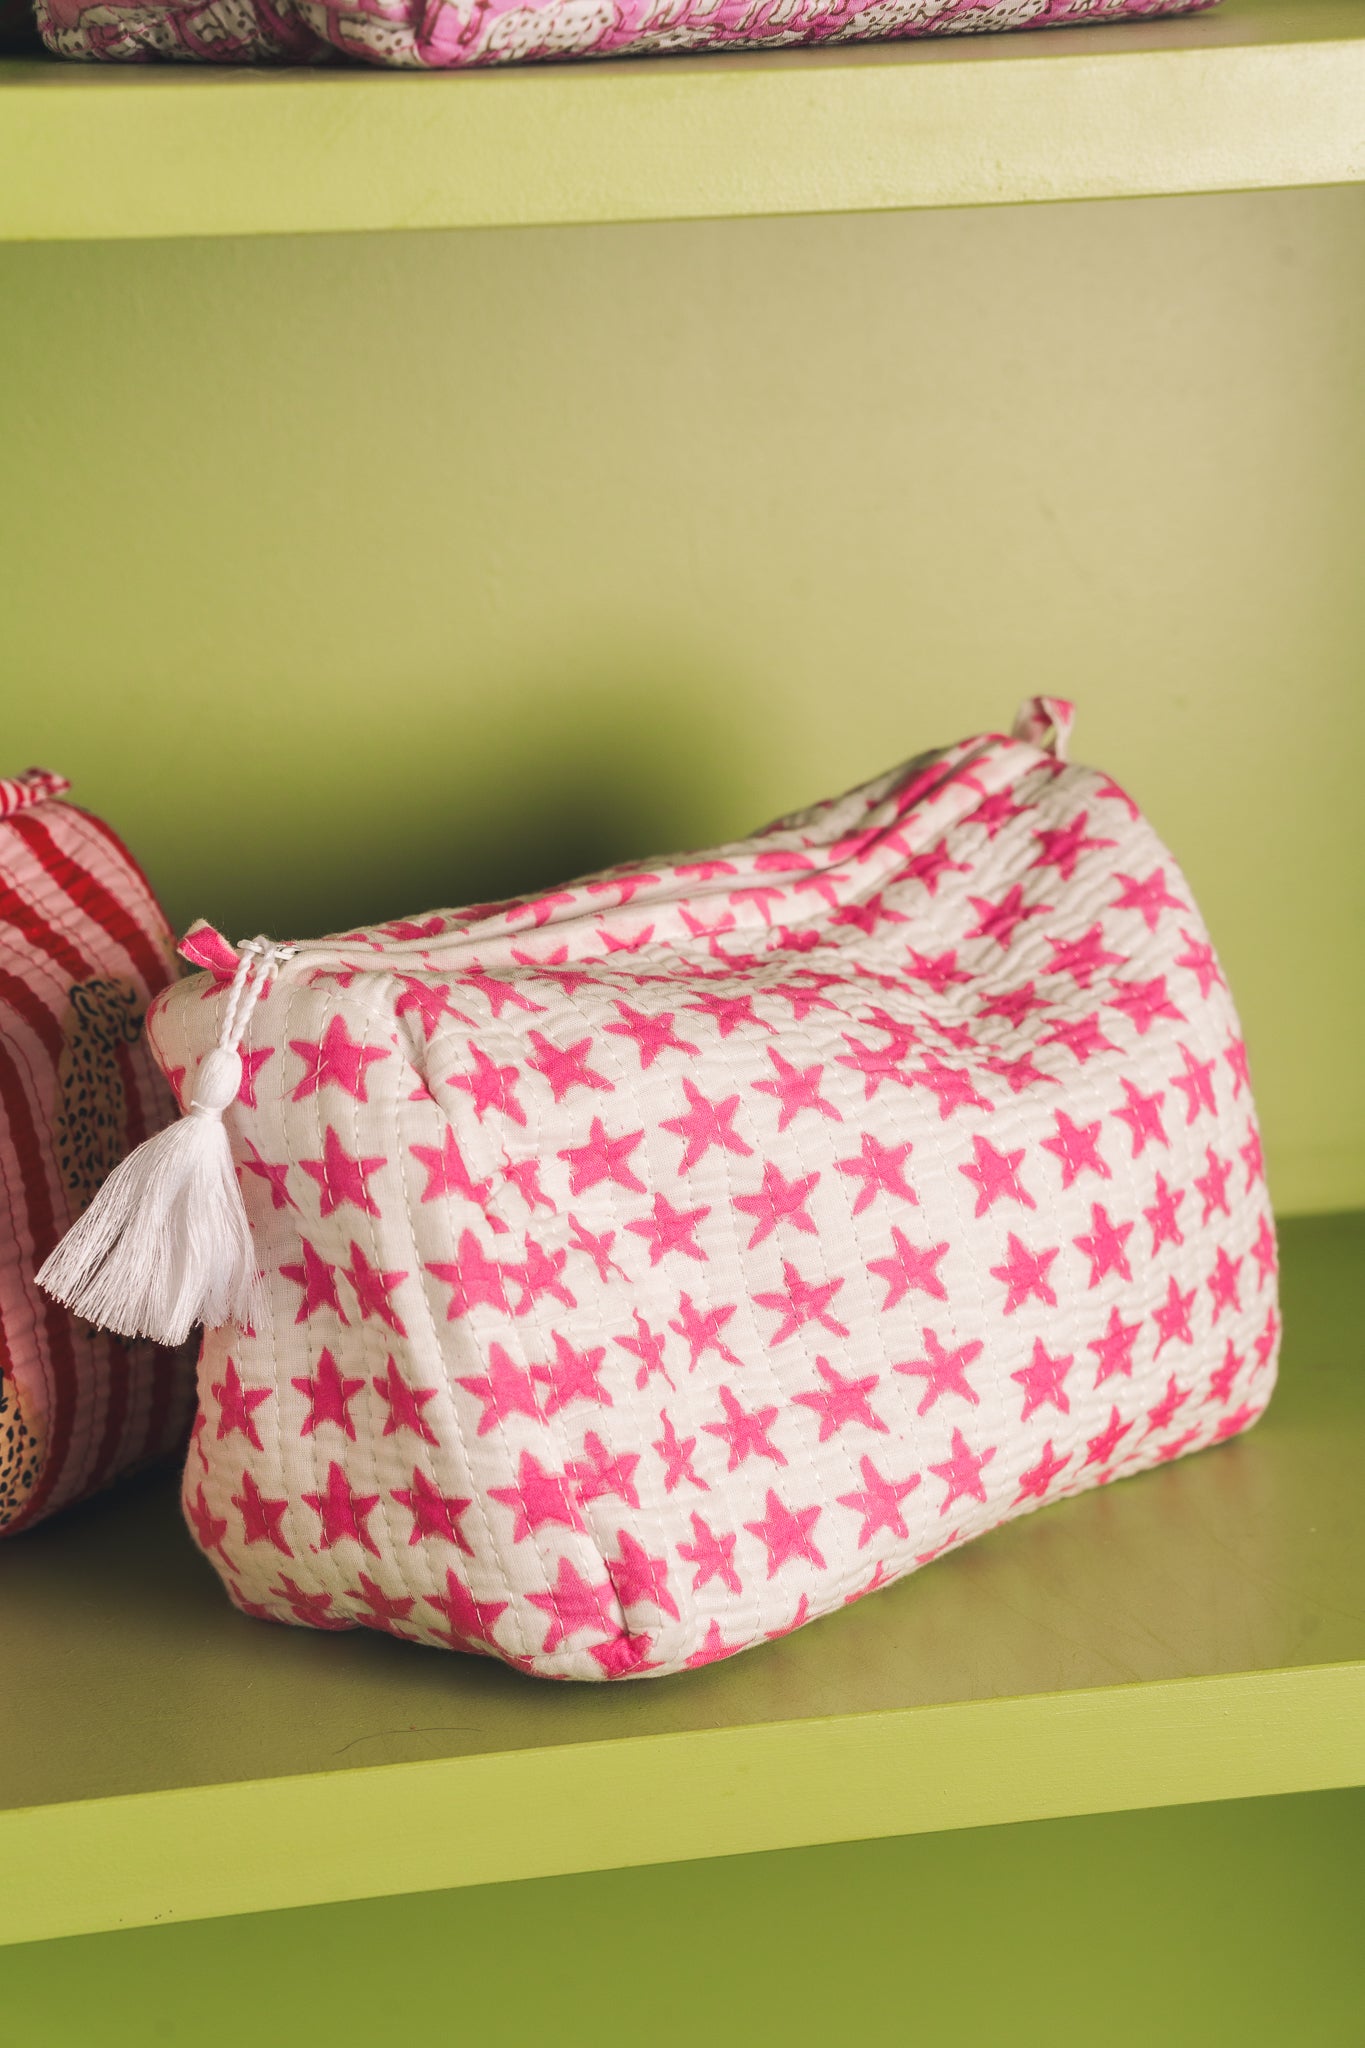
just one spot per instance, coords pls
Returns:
(505, 792)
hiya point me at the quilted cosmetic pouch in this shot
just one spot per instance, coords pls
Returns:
(451, 34)
(659, 1263)
(83, 946)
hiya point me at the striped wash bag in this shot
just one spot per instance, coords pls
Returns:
(83, 948)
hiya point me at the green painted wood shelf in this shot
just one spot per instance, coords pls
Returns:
(1193, 1634)
(1260, 93)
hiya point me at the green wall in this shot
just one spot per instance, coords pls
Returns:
(350, 576)
(1234, 1926)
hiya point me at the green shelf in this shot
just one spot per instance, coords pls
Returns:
(1260, 93)
(1196, 1633)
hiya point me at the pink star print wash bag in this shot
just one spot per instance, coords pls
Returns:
(453, 34)
(652, 1266)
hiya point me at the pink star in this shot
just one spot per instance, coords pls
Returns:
(648, 1346)
(1061, 849)
(1236, 1057)
(623, 1655)
(1173, 1317)
(574, 1376)
(1167, 1408)
(700, 1331)
(1014, 1005)
(952, 1086)
(565, 1067)
(540, 908)
(909, 1266)
(796, 1089)
(1220, 1381)
(342, 1179)
(261, 1516)
(1222, 1284)
(671, 1230)
(880, 1168)
(1034, 1483)
(801, 1302)
(1081, 1036)
(309, 1608)
(938, 973)
(372, 1290)
(1201, 962)
(994, 811)
(745, 1431)
(335, 1060)
(1100, 1449)
(1114, 1350)
(597, 1247)
(961, 1473)
(778, 1201)
(1021, 1073)
(867, 915)
(505, 1389)
(1196, 1083)
(879, 1503)
(1143, 1002)
(434, 1514)
(1163, 1215)
(405, 1404)
(469, 1622)
(640, 1580)
(995, 1176)
(1253, 1158)
(597, 1474)
(385, 1611)
(930, 867)
(1076, 1147)
(275, 1176)
(447, 1173)
(652, 1035)
(541, 1272)
(675, 1454)
(1143, 1117)
(343, 1514)
(1233, 1425)
(539, 1498)
(237, 1406)
(524, 1175)
(1000, 921)
(471, 1279)
(430, 1002)
(318, 1280)
(602, 1158)
(499, 993)
(706, 1124)
(943, 1372)
(1149, 898)
(1264, 1253)
(1212, 1184)
(787, 1533)
(875, 1063)
(330, 1397)
(841, 1401)
(490, 1086)
(1025, 1273)
(727, 1013)
(1266, 1342)
(252, 1062)
(1104, 1245)
(1082, 958)
(209, 1529)
(1044, 1380)
(712, 1555)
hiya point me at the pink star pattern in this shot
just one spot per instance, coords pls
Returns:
(664, 1260)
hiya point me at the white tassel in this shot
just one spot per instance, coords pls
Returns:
(166, 1243)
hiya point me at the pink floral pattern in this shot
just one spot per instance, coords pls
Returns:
(448, 34)
(664, 1261)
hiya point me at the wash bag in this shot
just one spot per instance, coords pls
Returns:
(83, 945)
(658, 1263)
(448, 34)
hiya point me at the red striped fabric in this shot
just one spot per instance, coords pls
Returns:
(83, 948)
